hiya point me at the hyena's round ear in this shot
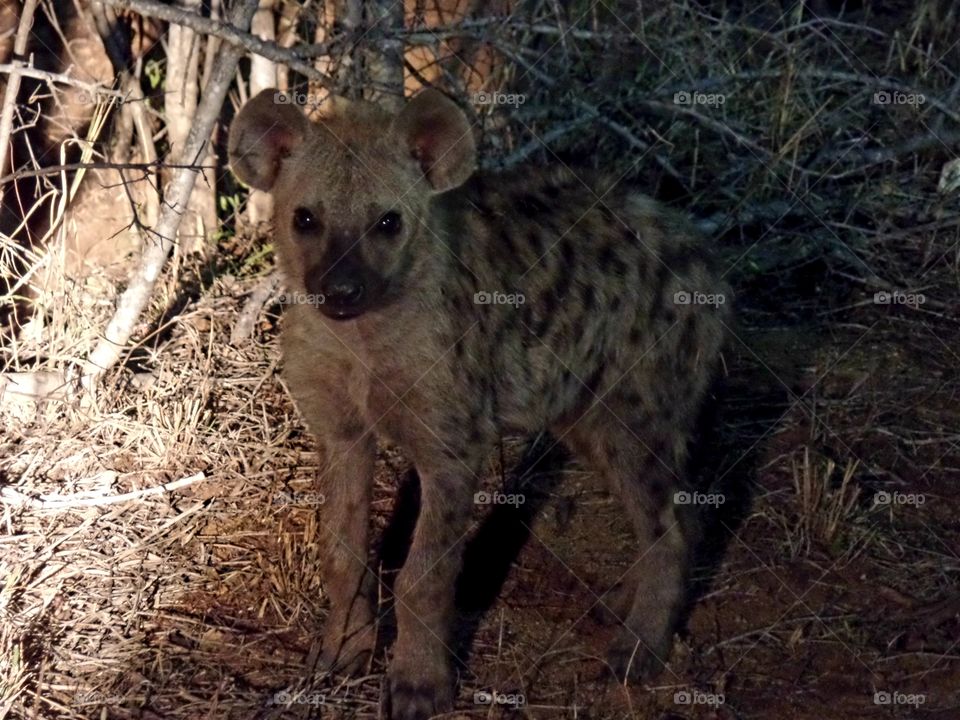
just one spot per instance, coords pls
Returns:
(263, 133)
(439, 137)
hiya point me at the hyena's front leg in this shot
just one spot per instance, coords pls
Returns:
(420, 678)
(347, 455)
(346, 476)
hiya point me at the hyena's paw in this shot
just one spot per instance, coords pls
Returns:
(348, 647)
(637, 660)
(418, 692)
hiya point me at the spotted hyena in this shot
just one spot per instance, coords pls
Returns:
(442, 308)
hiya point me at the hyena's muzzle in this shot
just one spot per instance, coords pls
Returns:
(346, 284)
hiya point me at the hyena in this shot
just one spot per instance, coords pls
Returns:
(445, 308)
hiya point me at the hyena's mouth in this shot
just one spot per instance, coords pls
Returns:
(342, 295)
(344, 312)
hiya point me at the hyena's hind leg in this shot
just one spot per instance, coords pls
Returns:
(642, 468)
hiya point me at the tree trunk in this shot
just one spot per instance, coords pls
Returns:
(263, 75)
(182, 80)
(385, 61)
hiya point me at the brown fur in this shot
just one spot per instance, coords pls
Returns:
(599, 353)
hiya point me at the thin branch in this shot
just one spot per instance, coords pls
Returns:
(297, 57)
(70, 167)
(60, 78)
(384, 61)
(133, 115)
(471, 28)
(538, 143)
(23, 28)
(6, 115)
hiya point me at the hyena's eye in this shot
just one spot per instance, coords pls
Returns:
(390, 223)
(304, 220)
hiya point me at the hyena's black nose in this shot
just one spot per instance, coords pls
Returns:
(343, 291)
(343, 296)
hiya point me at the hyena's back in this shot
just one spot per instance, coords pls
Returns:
(598, 275)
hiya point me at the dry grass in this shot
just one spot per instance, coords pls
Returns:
(827, 507)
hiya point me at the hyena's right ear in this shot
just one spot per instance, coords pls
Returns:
(264, 132)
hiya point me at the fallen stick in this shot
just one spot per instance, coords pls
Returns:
(246, 323)
(9, 496)
(35, 386)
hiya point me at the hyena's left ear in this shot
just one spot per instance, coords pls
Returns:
(265, 131)
(439, 137)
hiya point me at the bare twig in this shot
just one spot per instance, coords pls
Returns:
(70, 167)
(6, 115)
(180, 103)
(60, 78)
(475, 27)
(23, 29)
(529, 148)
